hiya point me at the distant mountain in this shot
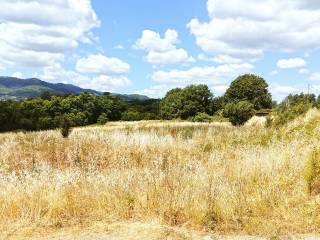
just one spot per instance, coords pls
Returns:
(16, 88)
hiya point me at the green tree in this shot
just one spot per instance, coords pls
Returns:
(217, 104)
(186, 103)
(171, 104)
(250, 88)
(239, 112)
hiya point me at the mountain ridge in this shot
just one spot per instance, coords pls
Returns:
(17, 88)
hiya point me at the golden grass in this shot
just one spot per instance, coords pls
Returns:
(211, 177)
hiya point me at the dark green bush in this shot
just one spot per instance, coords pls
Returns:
(201, 117)
(66, 125)
(239, 113)
(132, 116)
(103, 119)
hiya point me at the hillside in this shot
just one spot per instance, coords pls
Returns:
(16, 88)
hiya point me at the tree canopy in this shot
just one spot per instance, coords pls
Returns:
(252, 88)
(187, 102)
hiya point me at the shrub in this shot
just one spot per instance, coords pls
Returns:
(312, 172)
(132, 116)
(103, 119)
(292, 107)
(65, 127)
(288, 113)
(239, 113)
(201, 117)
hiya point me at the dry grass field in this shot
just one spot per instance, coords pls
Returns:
(212, 178)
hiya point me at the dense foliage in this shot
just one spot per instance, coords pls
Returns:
(187, 102)
(293, 106)
(250, 88)
(239, 112)
(50, 111)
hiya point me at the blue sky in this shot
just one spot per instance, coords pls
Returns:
(149, 47)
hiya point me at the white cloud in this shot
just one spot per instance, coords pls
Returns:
(56, 74)
(40, 33)
(222, 59)
(152, 41)
(17, 75)
(315, 76)
(207, 75)
(291, 63)
(170, 57)
(100, 64)
(157, 91)
(274, 72)
(119, 47)
(217, 78)
(162, 51)
(279, 92)
(246, 29)
(109, 83)
(304, 71)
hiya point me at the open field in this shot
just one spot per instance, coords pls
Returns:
(211, 178)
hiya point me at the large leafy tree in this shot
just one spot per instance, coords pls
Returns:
(171, 104)
(186, 102)
(252, 88)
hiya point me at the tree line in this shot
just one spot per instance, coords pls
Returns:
(246, 95)
(50, 112)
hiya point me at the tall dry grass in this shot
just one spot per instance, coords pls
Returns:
(203, 176)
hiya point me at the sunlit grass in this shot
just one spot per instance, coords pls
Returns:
(202, 176)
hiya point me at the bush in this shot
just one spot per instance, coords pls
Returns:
(239, 113)
(292, 107)
(201, 117)
(312, 172)
(65, 127)
(103, 119)
(288, 113)
(132, 116)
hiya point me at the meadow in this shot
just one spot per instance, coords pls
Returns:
(209, 177)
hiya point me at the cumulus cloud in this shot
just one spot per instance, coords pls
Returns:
(162, 51)
(274, 72)
(169, 57)
(207, 75)
(109, 83)
(304, 71)
(217, 78)
(279, 92)
(100, 64)
(157, 91)
(40, 33)
(17, 75)
(246, 29)
(291, 63)
(221, 59)
(56, 73)
(315, 76)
